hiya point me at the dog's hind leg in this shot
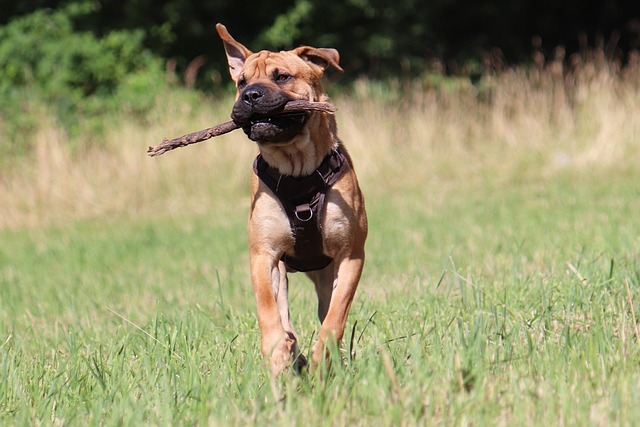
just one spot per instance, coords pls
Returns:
(324, 281)
(282, 300)
(279, 341)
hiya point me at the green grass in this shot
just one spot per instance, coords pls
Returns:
(512, 305)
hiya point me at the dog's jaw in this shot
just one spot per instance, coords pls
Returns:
(275, 129)
(294, 157)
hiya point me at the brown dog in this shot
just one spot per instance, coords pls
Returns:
(307, 210)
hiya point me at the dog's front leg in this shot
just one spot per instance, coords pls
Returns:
(279, 342)
(345, 281)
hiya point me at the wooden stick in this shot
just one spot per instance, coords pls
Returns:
(226, 127)
(191, 138)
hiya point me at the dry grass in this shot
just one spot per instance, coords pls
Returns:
(516, 124)
(117, 178)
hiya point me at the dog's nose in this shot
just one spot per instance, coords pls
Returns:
(252, 94)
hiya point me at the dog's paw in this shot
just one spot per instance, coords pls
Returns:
(320, 355)
(286, 356)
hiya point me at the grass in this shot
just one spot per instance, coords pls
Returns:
(502, 285)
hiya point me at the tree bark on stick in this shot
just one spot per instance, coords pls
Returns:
(226, 127)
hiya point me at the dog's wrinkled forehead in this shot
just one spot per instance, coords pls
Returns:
(266, 65)
(284, 69)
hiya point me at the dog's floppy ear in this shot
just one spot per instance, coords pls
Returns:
(321, 57)
(236, 52)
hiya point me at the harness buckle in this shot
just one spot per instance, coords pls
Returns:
(304, 209)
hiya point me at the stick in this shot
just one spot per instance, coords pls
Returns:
(191, 138)
(226, 127)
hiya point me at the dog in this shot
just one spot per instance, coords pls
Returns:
(307, 210)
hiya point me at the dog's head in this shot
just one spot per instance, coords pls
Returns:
(266, 81)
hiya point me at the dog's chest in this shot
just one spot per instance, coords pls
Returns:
(303, 201)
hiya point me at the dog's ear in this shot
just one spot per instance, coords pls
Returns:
(236, 52)
(321, 57)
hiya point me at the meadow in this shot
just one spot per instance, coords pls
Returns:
(502, 282)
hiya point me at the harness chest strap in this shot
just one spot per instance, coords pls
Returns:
(302, 198)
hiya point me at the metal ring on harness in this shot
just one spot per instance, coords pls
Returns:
(308, 209)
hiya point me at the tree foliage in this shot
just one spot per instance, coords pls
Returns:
(378, 38)
(74, 73)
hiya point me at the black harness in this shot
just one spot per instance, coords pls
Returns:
(302, 198)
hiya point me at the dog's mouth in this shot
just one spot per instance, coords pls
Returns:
(278, 128)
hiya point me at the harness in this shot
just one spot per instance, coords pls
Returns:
(302, 198)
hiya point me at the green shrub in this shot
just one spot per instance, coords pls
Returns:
(74, 74)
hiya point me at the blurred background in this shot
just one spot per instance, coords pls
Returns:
(377, 38)
(443, 87)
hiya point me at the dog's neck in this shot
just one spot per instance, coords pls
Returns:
(303, 155)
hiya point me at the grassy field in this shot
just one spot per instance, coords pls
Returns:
(502, 285)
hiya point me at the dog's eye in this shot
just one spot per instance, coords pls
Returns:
(281, 78)
(242, 83)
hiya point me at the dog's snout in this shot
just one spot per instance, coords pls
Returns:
(258, 100)
(252, 94)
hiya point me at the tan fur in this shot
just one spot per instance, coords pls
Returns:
(344, 219)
